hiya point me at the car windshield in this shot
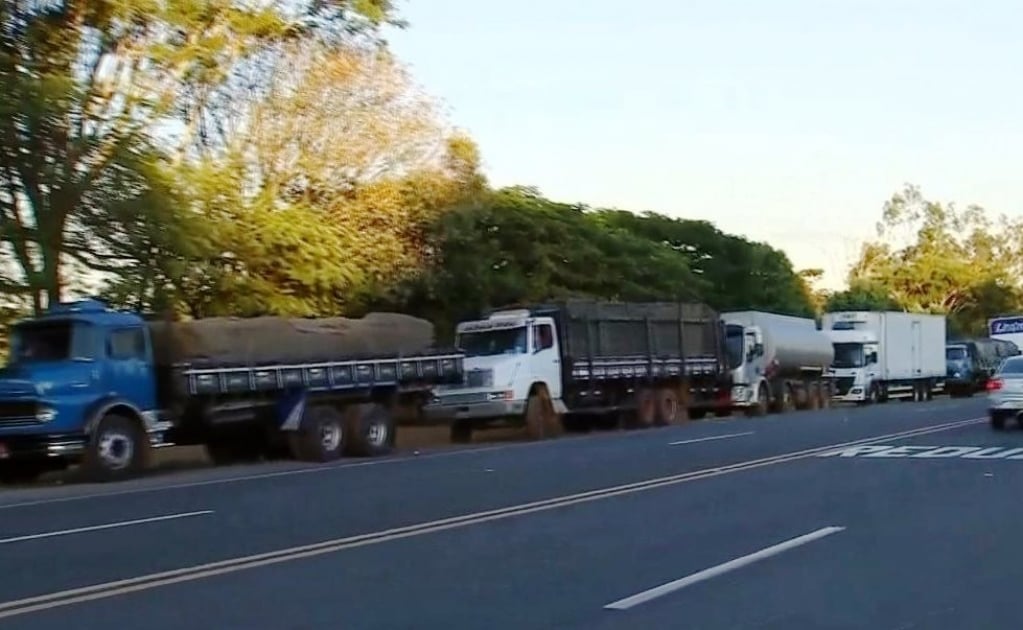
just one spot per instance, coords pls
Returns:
(733, 345)
(955, 353)
(489, 343)
(51, 341)
(848, 355)
(1012, 367)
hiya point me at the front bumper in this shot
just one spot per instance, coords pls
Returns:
(476, 410)
(22, 447)
(855, 394)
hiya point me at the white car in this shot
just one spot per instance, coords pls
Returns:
(1005, 393)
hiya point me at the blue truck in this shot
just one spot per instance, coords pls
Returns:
(85, 386)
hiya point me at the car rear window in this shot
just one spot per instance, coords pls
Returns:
(1012, 366)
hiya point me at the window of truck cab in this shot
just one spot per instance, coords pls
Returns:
(493, 342)
(955, 353)
(848, 355)
(126, 343)
(53, 340)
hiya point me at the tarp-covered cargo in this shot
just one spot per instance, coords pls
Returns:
(269, 340)
(604, 330)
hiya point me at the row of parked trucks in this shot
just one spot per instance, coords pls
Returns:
(90, 385)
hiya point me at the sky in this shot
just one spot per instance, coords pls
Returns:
(787, 121)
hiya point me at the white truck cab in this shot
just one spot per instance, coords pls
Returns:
(745, 348)
(505, 356)
(855, 367)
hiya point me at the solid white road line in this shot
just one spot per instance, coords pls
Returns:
(93, 528)
(708, 439)
(731, 565)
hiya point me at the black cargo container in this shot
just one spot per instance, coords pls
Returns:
(648, 358)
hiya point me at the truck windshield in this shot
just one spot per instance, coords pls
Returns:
(52, 341)
(733, 345)
(848, 355)
(955, 353)
(493, 342)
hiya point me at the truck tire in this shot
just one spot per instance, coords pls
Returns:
(117, 449)
(370, 430)
(669, 410)
(461, 431)
(813, 396)
(321, 436)
(645, 415)
(541, 419)
(763, 403)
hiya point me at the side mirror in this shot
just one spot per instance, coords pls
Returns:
(758, 349)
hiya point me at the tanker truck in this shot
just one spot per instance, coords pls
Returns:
(102, 388)
(778, 362)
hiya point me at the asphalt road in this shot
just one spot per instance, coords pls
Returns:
(844, 518)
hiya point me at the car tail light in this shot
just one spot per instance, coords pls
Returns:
(994, 385)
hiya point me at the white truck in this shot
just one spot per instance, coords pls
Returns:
(1007, 328)
(778, 362)
(638, 364)
(886, 354)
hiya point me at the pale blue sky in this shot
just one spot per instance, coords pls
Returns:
(789, 121)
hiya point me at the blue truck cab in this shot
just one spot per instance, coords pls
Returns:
(79, 387)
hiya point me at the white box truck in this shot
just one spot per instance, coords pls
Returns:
(778, 362)
(882, 355)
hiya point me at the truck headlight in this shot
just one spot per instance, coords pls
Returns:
(46, 414)
(956, 375)
(505, 395)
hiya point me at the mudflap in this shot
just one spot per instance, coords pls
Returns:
(290, 409)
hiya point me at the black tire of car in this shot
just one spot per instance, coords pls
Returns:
(997, 422)
(129, 436)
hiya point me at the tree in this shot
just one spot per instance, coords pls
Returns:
(514, 246)
(87, 85)
(861, 297)
(934, 257)
(298, 214)
(739, 274)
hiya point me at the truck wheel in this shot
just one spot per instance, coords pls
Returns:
(763, 403)
(813, 397)
(997, 421)
(370, 429)
(541, 419)
(321, 436)
(669, 411)
(461, 431)
(117, 449)
(645, 415)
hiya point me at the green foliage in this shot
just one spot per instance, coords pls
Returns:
(739, 274)
(861, 297)
(515, 246)
(89, 83)
(935, 258)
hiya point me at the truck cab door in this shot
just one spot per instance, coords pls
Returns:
(545, 361)
(128, 373)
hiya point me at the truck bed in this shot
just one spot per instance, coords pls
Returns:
(420, 370)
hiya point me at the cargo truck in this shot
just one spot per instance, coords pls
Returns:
(640, 364)
(778, 362)
(883, 355)
(94, 386)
